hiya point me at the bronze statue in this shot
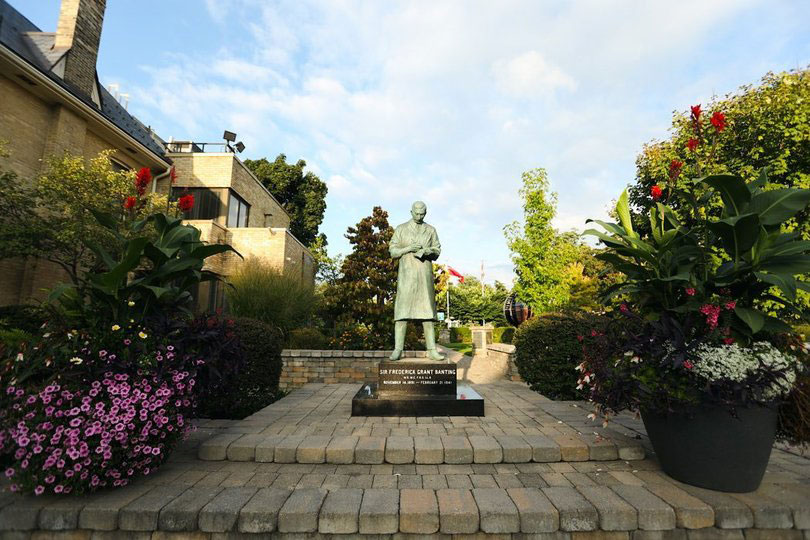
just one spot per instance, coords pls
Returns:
(416, 245)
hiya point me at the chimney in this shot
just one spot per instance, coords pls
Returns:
(79, 29)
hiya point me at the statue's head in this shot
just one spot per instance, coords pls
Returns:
(418, 211)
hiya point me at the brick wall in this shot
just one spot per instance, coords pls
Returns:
(79, 28)
(34, 130)
(225, 170)
(304, 366)
(505, 353)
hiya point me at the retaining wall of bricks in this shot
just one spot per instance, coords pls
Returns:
(505, 352)
(307, 366)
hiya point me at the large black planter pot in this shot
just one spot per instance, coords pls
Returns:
(712, 449)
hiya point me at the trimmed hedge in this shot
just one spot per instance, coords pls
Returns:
(307, 338)
(548, 350)
(503, 334)
(460, 334)
(255, 386)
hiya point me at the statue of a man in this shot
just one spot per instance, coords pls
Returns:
(416, 245)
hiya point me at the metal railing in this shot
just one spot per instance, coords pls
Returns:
(189, 147)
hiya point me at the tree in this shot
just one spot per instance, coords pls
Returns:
(469, 305)
(540, 253)
(364, 294)
(52, 217)
(764, 126)
(303, 195)
(327, 269)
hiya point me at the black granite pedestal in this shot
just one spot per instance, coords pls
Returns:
(417, 389)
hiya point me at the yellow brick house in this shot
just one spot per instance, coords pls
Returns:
(232, 206)
(51, 101)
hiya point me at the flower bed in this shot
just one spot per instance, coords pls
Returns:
(104, 433)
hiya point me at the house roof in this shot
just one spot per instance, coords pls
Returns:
(26, 40)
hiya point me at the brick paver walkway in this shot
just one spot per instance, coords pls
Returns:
(496, 486)
(314, 425)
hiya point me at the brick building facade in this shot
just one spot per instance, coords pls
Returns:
(51, 102)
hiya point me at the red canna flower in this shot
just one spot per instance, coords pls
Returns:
(186, 203)
(130, 202)
(142, 180)
(687, 364)
(675, 167)
(728, 341)
(718, 120)
(656, 192)
(696, 112)
(692, 144)
(690, 291)
(173, 175)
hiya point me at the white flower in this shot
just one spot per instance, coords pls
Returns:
(142, 335)
(635, 359)
(130, 303)
(76, 360)
(46, 335)
(738, 364)
(592, 416)
(20, 357)
(629, 353)
(115, 328)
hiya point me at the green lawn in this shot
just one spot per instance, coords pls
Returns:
(463, 348)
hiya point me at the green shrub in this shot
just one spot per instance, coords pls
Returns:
(22, 317)
(261, 292)
(460, 334)
(804, 330)
(548, 350)
(256, 385)
(504, 334)
(307, 338)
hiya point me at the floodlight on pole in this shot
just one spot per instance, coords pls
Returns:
(240, 146)
(229, 136)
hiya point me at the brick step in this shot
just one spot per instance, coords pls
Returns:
(446, 449)
(658, 509)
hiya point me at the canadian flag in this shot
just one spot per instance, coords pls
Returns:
(453, 272)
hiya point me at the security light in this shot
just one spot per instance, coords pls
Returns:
(229, 136)
(240, 146)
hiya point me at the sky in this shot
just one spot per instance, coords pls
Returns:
(444, 101)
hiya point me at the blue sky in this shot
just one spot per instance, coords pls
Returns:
(449, 102)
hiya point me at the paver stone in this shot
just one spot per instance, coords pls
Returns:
(418, 511)
(340, 510)
(260, 514)
(497, 512)
(537, 514)
(458, 513)
(300, 511)
(379, 511)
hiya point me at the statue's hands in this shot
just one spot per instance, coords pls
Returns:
(419, 254)
(415, 247)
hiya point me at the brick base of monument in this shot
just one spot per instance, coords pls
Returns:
(417, 389)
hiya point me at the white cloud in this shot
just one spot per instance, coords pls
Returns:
(389, 102)
(530, 75)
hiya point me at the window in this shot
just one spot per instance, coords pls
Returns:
(206, 202)
(117, 166)
(238, 211)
